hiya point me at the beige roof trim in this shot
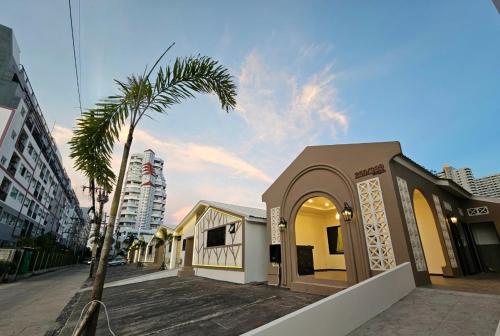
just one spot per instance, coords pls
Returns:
(428, 176)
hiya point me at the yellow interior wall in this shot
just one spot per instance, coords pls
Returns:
(310, 229)
(428, 234)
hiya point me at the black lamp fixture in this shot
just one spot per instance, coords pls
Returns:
(282, 224)
(347, 212)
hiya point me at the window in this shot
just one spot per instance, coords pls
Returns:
(23, 111)
(335, 243)
(216, 237)
(21, 141)
(13, 134)
(14, 162)
(14, 192)
(30, 149)
(4, 188)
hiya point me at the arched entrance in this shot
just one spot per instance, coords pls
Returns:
(319, 241)
(429, 235)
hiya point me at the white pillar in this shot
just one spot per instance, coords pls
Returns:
(173, 254)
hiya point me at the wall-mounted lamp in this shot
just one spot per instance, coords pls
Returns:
(347, 212)
(282, 224)
(232, 228)
(453, 219)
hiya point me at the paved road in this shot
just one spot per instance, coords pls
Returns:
(31, 306)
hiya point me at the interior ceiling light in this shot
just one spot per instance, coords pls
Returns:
(327, 204)
(310, 200)
(337, 216)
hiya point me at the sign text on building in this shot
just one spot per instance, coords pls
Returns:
(379, 169)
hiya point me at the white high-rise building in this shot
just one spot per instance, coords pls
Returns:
(143, 198)
(462, 176)
(36, 196)
(488, 186)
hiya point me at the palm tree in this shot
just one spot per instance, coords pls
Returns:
(138, 97)
(162, 237)
(96, 168)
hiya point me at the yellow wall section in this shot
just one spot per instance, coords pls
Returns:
(310, 229)
(429, 236)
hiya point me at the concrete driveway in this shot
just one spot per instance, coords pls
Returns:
(191, 306)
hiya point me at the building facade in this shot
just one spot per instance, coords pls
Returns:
(221, 241)
(343, 213)
(488, 186)
(36, 196)
(143, 199)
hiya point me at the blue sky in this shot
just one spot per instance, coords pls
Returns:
(425, 73)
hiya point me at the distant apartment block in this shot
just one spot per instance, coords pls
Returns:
(36, 196)
(143, 198)
(488, 186)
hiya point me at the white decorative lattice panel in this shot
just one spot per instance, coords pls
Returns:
(447, 206)
(482, 210)
(411, 223)
(444, 229)
(275, 230)
(378, 237)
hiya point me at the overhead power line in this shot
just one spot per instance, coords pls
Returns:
(74, 57)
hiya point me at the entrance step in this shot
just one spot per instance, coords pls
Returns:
(186, 271)
(316, 288)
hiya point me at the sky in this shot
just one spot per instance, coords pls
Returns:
(424, 73)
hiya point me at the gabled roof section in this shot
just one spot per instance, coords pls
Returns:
(250, 214)
(446, 184)
(322, 153)
(243, 211)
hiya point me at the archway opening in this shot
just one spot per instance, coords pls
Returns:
(319, 241)
(429, 236)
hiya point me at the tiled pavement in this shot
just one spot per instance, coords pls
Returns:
(437, 312)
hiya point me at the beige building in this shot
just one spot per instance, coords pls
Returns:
(340, 214)
(221, 241)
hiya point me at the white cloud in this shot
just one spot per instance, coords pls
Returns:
(280, 107)
(314, 49)
(189, 156)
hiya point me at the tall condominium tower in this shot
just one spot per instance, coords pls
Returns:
(488, 186)
(462, 176)
(144, 195)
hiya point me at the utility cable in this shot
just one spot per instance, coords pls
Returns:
(74, 57)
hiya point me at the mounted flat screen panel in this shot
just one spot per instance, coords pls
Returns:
(335, 243)
(216, 237)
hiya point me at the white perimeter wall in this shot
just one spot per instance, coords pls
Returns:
(256, 252)
(344, 311)
(221, 274)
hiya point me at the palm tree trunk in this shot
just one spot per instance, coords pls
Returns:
(93, 311)
(94, 243)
